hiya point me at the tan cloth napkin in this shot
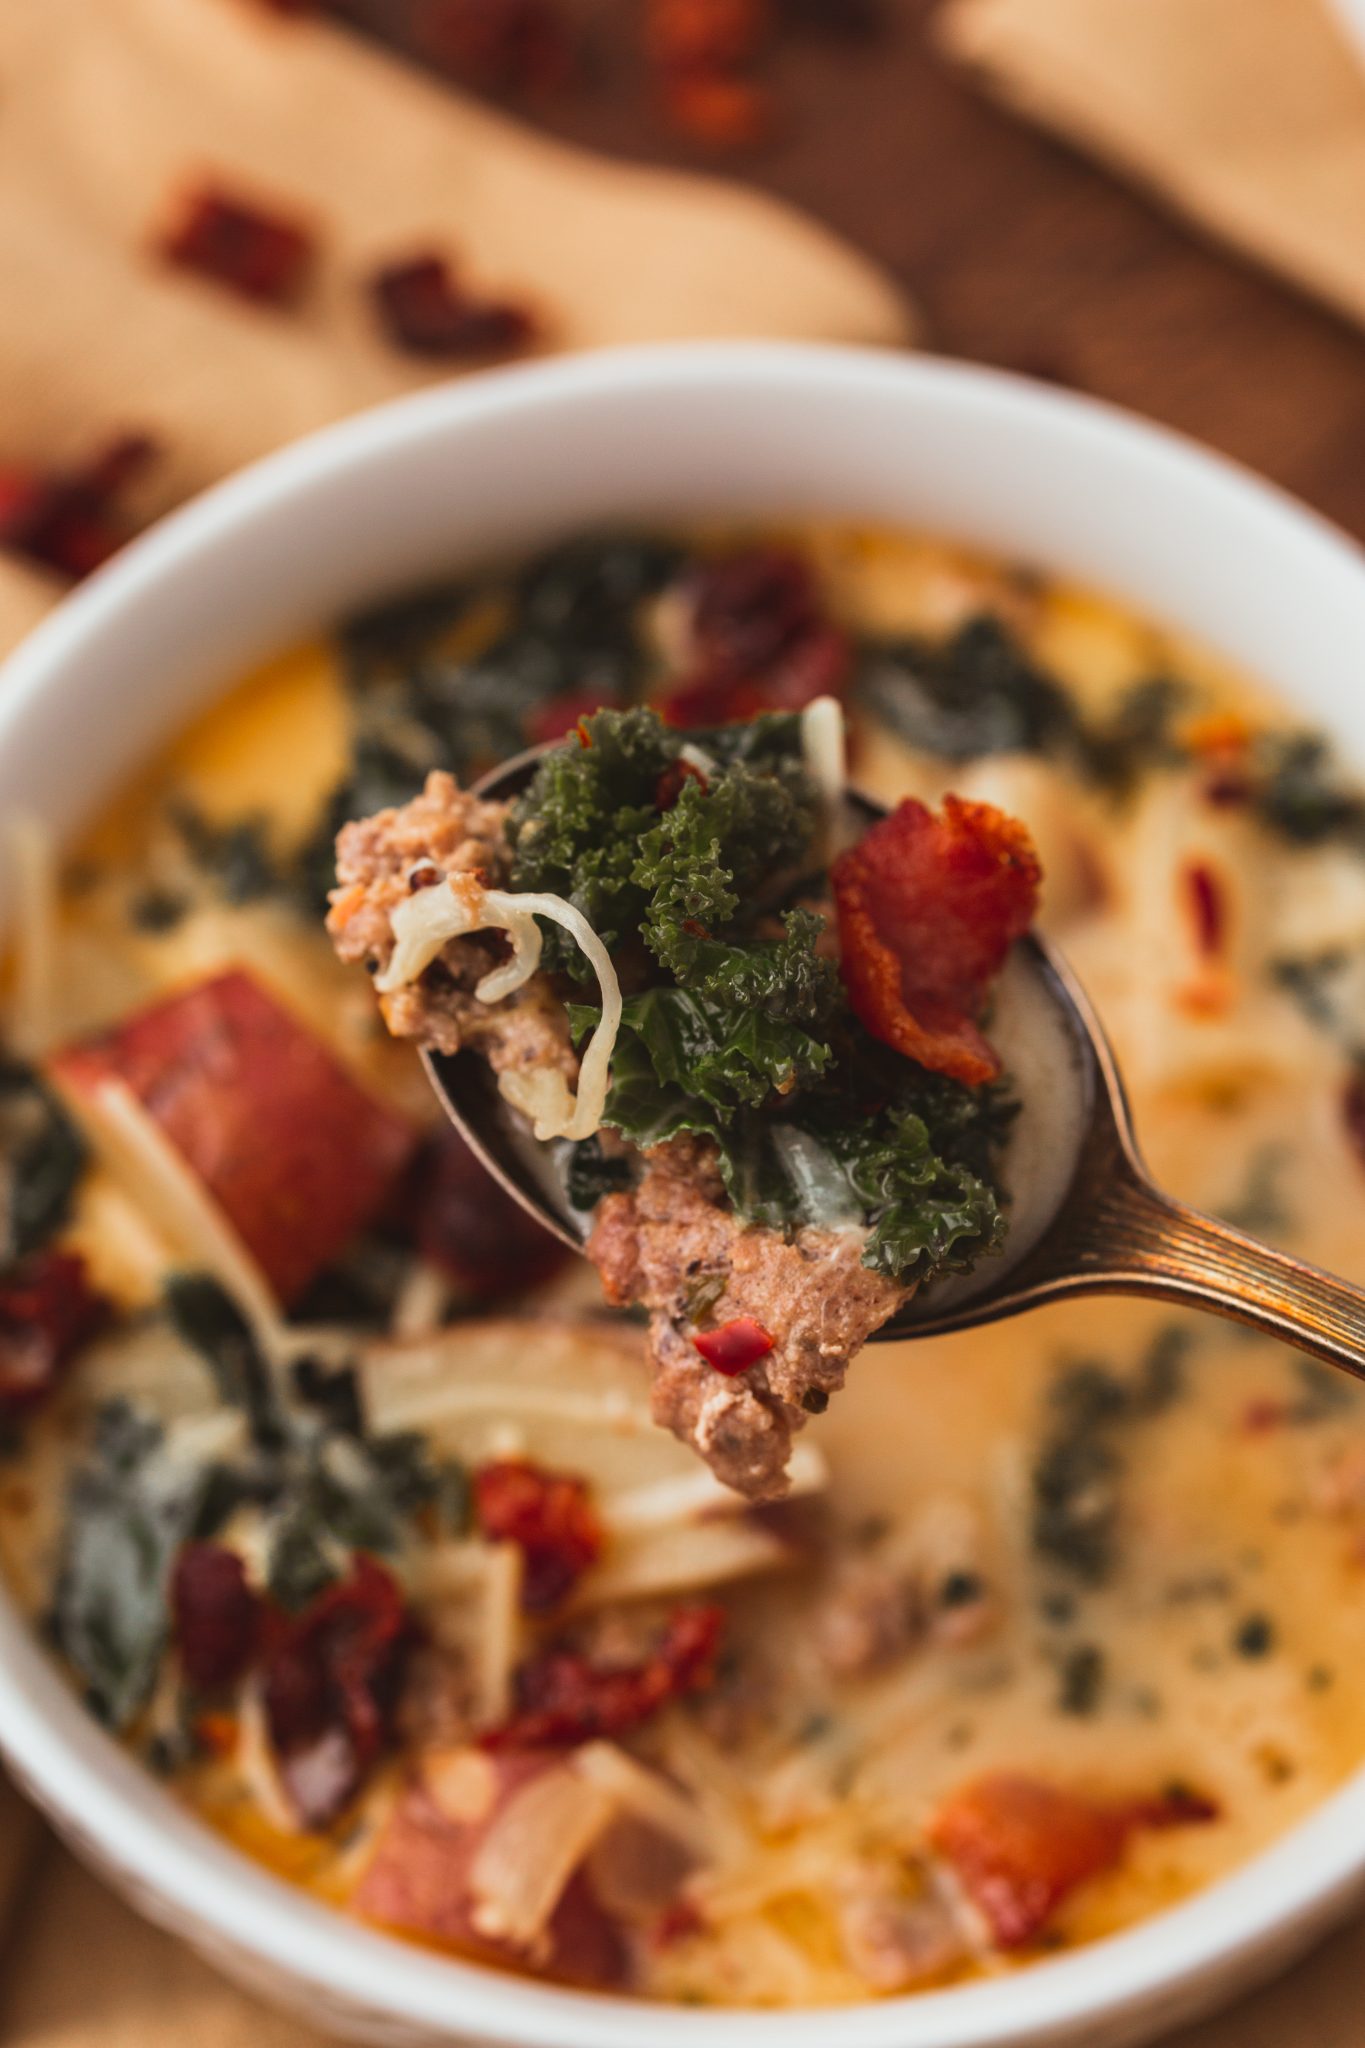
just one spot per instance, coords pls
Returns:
(1248, 115)
(110, 108)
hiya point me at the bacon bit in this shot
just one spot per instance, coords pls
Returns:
(331, 1683)
(559, 716)
(759, 641)
(669, 788)
(424, 876)
(520, 48)
(1020, 1847)
(564, 1699)
(735, 1346)
(424, 309)
(68, 521)
(551, 1519)
(464, 1223)
(297, 1154)
(928, 908)
(1208, 906)
(215, 1614)
(264, 257)
(48, 1310)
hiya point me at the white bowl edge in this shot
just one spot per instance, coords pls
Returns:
(469, 470)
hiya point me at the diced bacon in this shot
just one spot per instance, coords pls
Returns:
(1208, 908)
(551, 1519)
(297, 1154)
(48, 1309)
(265, 257)
(563, 1698)
(928, 906)
(1020, 1847)
(216, 1614)
(332, 1677)
(418, 1880)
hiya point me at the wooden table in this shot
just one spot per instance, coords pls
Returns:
(1020, 251)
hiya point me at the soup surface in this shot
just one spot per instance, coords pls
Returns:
(335, 1489)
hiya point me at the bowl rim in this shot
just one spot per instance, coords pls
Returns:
(178, 1868)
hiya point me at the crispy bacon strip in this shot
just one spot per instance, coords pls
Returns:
(928, 907)
(1020, 1847)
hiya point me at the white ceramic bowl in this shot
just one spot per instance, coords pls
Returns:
(502, 462)
(1350, 15)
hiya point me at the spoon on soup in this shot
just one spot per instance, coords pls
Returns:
(1085, 1216)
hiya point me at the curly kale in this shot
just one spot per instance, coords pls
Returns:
(742, 1032)
(591, 828)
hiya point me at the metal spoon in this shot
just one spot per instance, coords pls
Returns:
(1100, 1226)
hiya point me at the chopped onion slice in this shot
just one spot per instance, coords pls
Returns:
(526, 1859)
(426, 922)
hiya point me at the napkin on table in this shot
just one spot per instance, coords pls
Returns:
(1247, 115)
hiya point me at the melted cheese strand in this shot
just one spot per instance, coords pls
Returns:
(423, 924)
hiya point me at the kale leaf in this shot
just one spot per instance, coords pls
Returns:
(590, 828)
(129, 1511)
(974, 693)
(42, 1157)
(205, 1316)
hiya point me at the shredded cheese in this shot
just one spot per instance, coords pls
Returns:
(33, 873)
(500, 1635)
(423, 924)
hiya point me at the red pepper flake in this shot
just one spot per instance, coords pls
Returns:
(1263, 1415)
(48, 1310)
(928, 907)
(670, 785)
(216, 1616)
(521, 49)
(265, 257)
(1019, 1846)
(69, 520)
(558, 716)
(332, 1678)
(1208, 908)
(425, 310)
(551, 1519)
(564, 1699)
(735, 1346)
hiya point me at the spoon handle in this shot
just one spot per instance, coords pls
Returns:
(1137, 1240)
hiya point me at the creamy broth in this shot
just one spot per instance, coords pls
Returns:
(1156, 1523)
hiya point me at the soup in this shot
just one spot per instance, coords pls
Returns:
(335, 1488)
